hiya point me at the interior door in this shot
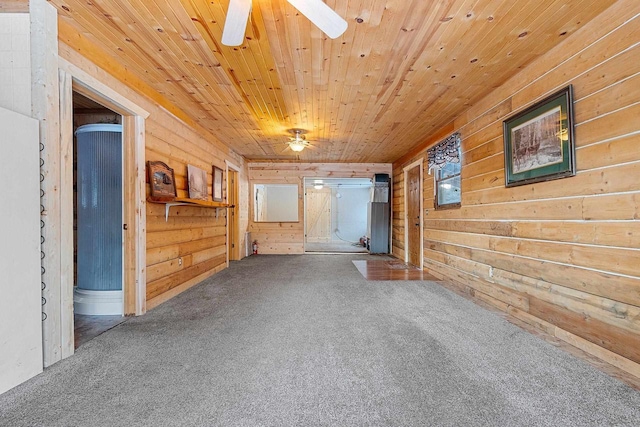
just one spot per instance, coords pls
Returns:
(318, 215)
(413, 216)
(232, 216)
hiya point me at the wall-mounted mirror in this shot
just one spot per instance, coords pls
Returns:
(275, 202)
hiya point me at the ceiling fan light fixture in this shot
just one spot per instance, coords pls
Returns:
(297, 145)
(297, 142)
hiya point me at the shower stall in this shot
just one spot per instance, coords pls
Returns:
(99, 239)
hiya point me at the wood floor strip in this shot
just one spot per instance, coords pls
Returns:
(391, 270)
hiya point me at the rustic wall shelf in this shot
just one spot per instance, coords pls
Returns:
(184, 201)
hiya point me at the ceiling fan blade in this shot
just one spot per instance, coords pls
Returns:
(236, 23)
(322, 16)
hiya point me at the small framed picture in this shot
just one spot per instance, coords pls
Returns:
(162, 181)
(197, 183)
(538, 142)
(217, 184)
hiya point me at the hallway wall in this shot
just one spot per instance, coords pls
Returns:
(288, 237)
(191, 244)
(561, 255)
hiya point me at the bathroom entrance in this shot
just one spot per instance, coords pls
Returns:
(98, 219)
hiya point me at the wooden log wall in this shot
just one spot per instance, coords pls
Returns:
(561, 255)
(191, 245)
(288, 237)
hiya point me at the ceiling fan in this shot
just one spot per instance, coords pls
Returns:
(298, 142)
(316, 11)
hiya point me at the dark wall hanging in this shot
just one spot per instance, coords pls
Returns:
(162, 182)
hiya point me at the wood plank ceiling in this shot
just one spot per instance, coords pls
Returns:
(403, 68)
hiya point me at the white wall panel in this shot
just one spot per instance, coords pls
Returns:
(15, 62)
(20, 294)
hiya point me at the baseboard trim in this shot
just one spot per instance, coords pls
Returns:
(156, 301)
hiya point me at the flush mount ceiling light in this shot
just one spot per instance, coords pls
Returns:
(317, 184)
(321, 15)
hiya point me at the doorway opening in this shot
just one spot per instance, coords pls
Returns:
(335, 214)
(233, 215)
(98, 240)
(58, 331)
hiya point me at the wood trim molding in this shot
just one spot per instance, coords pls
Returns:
(236, 169)
(45, 108)
(88, 85)
(141, 217)
(66, 212)
(134, 180)
(134, 215)
(232, 166)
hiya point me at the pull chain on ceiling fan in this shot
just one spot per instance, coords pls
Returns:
(321, 15)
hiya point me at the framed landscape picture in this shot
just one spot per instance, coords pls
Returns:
(217, 184)
(538, 142)
(197, 183)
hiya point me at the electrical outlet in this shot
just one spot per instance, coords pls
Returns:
(180, 261)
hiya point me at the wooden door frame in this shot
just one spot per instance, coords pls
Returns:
(53, 80)
(406, 169)
(236, 169)
(73, 79)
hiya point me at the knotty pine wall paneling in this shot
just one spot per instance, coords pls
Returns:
(288, 237)
(191, 245)
(561, 255)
